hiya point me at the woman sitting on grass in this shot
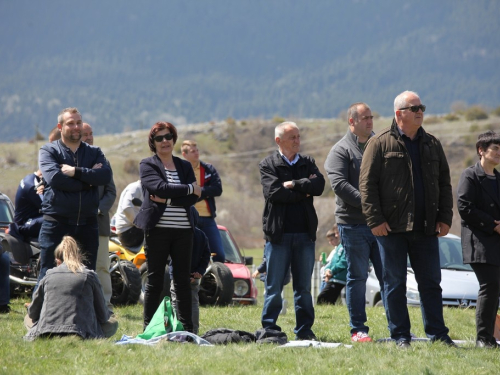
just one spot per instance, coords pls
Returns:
(69, 300)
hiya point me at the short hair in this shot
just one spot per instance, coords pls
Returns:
(69, 110)
(484, 140)
(331, 232)
(54, 134)
(400, 100)
(279, 130)
(69, 253)
(187, 144)
(352, 112)
(159, 126)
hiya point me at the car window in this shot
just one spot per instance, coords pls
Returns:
(5, 213)
(232, 254)
(450, 254)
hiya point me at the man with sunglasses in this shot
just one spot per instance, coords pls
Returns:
(407, 201)
(342, 165)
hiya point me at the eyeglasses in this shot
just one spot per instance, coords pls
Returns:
(414, 108)
(168, 137)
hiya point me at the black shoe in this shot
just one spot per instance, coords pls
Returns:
(447, 341)
(487, 345)
(403, 344)
(4, 309)
(311, 337)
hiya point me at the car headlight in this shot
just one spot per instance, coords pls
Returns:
(240, 288)
(412, 295)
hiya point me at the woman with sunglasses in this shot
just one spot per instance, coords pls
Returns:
(479, 208)
(169, 189)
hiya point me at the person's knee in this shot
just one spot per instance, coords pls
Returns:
(110, 327)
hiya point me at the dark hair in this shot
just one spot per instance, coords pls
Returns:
(484, 140)
(159, 126)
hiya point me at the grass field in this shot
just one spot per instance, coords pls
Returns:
(70, 355)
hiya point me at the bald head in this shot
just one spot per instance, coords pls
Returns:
(87, 134)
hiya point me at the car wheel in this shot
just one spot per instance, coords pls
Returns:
(217, 286)
(379, 303)
(123, 294)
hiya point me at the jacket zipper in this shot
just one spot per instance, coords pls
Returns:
(75, 159)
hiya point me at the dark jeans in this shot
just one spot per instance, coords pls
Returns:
(424, 258)
(330, 293)
(488, 276)
(4, 278)
(131, 237)
(51, 235)
(297, 250)
(360, 247)
(209, 227)
(160, 244)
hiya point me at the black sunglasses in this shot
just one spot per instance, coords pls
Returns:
(168, 137)
(414, 108)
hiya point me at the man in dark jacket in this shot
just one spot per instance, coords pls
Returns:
(342, 165)
(73, 171)
(107, 196)
(289, 181)
(211, 187)
(407, 202)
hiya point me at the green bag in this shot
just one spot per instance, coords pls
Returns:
(164, 321)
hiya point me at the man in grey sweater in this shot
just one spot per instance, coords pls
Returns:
(342, 166)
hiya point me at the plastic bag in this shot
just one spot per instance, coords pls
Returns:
(164, 321)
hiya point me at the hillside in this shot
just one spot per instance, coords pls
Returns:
(235, 148)
(127, 66)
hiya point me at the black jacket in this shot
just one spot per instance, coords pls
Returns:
(273, 172)
(386, 182)
(154, 182)
(211, 185)
(479, 206)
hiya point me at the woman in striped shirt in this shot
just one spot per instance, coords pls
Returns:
(169, 189)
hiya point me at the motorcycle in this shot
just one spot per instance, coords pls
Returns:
(25, 268)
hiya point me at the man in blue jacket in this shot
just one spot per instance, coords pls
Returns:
(73, 171)
(211, 187)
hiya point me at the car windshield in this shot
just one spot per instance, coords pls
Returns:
(5, 212)
(450, 255)
(232, 254)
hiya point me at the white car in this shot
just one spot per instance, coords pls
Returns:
(458, 281)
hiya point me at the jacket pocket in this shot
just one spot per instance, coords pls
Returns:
(393, 162)
(390, 212)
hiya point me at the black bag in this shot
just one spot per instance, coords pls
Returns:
(223, 336)
(270, 336)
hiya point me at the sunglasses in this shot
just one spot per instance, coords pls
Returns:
(414, 108)
(168, 137)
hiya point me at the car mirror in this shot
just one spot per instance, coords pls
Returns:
(248, 261)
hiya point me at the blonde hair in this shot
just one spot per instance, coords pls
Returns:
(187, 144)
(69, 253)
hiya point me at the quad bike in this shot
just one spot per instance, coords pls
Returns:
(25, 267)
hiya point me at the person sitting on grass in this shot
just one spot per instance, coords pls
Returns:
(69, 300)
(335, 271)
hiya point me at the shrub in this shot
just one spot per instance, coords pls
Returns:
(475, 113)
(432, 120)
(131, 167)
(451, 117)
(278, 119)
(496, 111)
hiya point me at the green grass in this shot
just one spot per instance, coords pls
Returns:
(71, 355)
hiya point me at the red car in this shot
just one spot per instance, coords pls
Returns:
(245, 291)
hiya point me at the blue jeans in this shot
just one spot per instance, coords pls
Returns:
(297, 250)
(423, 252)
(4, 279)
(51, 235)
(209, 227)
(360, 248)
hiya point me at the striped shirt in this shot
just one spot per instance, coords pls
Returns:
(175, 216)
